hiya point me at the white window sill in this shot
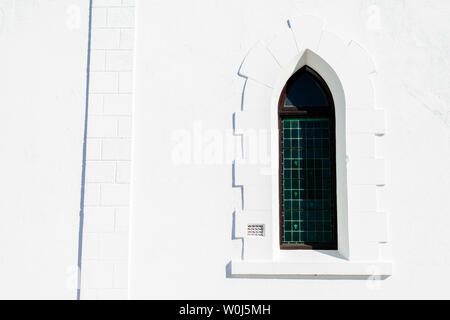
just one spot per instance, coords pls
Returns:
(328, 266)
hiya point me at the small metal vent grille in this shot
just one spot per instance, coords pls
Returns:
(255, 230)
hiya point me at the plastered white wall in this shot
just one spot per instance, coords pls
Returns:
(42, 102)
(189, 54)
(187, 87)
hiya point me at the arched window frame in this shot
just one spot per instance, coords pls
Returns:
(361, 173)
(308, 112)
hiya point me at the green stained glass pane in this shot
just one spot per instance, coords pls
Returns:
(306, 181)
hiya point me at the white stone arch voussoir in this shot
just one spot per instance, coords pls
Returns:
(348, 70)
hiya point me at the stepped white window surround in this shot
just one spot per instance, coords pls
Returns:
(347, 71)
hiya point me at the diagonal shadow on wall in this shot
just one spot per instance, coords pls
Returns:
(83, 171)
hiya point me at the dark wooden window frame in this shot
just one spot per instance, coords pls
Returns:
(286, 112)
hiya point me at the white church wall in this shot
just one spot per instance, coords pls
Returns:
(104, 272)
(188, 89)
(194, 117)
(43, 60)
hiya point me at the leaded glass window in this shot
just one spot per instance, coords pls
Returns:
(308, 218)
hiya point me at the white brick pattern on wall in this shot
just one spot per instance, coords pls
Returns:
(104, 272)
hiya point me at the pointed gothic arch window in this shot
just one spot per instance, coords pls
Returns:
(307, 170)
